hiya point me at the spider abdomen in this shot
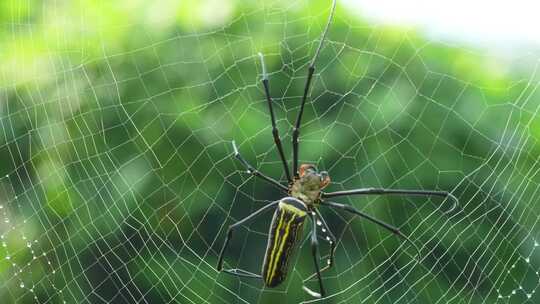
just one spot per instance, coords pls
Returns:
(285, 232)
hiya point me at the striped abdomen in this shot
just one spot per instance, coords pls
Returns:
(284, 235)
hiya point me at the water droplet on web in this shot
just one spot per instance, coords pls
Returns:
(529, 296)
(21, 285)
(28, 244)
(328, 238)
(527, 260)
(1, 206)
(323, 230)
(8, 257)
(536, 244)
(514, 292)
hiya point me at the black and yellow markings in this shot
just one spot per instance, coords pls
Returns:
(285, 232)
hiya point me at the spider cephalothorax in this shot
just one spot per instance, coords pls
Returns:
(308, 184)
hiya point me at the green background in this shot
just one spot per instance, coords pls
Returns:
(118, 180)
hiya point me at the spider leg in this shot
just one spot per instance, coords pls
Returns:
(255, 172)
(382, 191)
(311, 71)
(314, 253)
(332, 241)
(370, 218)
(275, 132)
(240, 272)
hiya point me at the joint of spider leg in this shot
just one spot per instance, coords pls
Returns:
(275, 134)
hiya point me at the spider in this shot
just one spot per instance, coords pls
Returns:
(304, 197)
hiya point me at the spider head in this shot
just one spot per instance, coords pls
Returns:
(311, 175)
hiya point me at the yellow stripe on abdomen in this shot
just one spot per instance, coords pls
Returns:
(272, 253)
(283, 241)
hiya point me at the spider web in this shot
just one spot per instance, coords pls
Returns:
(118, 181)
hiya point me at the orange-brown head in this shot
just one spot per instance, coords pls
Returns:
(309, 169)
(309, 183)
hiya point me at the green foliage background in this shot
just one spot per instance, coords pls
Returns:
(117, 118)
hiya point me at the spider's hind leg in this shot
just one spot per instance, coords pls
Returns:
(331, 239)
(240, 272)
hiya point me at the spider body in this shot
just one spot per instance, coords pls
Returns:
(304, 196)
(287, 223)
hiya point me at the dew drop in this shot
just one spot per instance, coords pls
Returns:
(319, 223)
(527, 260)
(328, 238)
(21, 285)
(323, 230)
(529, 296)
(1, 206)
(8, 257)
(514, 292)
(536, 244)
